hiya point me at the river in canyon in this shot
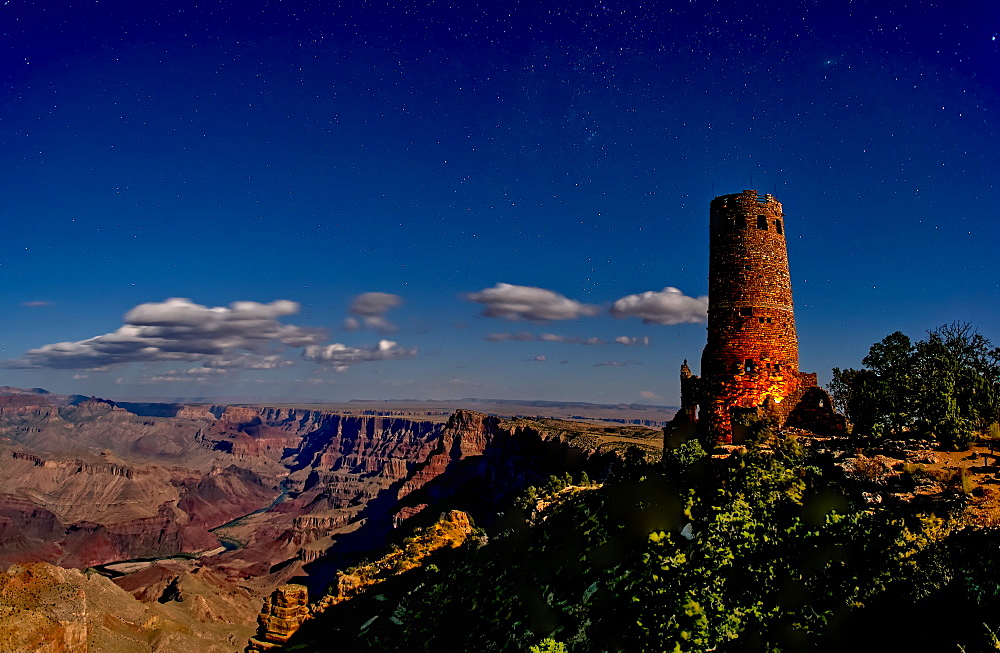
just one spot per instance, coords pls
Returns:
(124, 567)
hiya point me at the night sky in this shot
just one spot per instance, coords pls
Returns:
(336, 200)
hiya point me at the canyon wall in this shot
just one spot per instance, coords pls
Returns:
(87, 482)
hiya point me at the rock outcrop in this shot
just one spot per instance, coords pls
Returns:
(49, 609)
(288, 608)
(42, 608)
(283, 612)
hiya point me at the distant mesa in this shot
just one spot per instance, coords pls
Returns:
(10, 390)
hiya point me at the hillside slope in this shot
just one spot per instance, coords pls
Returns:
(769, 548)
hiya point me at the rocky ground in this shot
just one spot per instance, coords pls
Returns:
(916, 471)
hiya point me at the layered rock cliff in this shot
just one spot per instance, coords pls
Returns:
(87, 482)
(80, 512)
(283, 612)
(354, 479)
(84, 484)
(288, 607)
(48, 609)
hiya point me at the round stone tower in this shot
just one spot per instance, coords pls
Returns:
(751, 324)
(750, 365)
(751, 360)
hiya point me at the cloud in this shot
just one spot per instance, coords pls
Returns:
(371, 307)
(501, 337)
(524, 336)
(251, 362)
(630, 341)
(244, 335)
(512, 302)
(341, 357)
(194, 371)
(315, 380)
(77, 377)
(37, 304)
(540, 358)
(573, 340)
(199, 375)
(668, 306)
(168, 378)
(617, 363)
(646, 394)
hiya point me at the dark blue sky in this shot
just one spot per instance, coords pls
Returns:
(381, 167)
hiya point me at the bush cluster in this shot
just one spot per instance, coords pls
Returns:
(946, 386)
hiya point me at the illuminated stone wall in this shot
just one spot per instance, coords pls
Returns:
(750, 364)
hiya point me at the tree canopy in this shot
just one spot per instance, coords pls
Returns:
(946, 386)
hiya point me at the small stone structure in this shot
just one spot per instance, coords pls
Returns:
(750, 365)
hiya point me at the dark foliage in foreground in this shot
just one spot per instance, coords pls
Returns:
(764, 550)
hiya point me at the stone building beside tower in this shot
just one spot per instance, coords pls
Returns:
(750, 365)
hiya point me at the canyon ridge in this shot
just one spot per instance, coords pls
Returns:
(149, 526)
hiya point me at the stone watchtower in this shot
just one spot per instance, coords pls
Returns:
(750, 364)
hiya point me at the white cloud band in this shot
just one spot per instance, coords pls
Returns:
(242, 335)
(371, 307)
(667, 306)
(341, 357)
(511, 302)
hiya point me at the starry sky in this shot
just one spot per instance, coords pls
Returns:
(439, 199)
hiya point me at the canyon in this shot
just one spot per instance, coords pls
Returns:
(195, 513)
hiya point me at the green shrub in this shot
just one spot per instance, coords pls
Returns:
(548, 645)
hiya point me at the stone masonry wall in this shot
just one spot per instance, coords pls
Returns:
(750, 364)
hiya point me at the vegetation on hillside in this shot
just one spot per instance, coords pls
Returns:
(450, 531)
(768, 549)
(946, 387)
(771, 547)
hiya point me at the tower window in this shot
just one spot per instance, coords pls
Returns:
(746, 311)
(777, 367)
(768, 320)
(748, 366)
(762, 222)
(761, 320)
(777, 226)
(746, 267)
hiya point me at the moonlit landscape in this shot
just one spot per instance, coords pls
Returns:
(509, 327)
(331, 201)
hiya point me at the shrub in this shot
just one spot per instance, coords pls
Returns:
(548, 645)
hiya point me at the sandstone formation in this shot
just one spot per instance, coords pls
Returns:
(42, 610)
(48, 609)
(295, 494)
(287, 608)
(283, 612)
(354, 479)
(88, 483)
(85, 510)
(450, 531)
